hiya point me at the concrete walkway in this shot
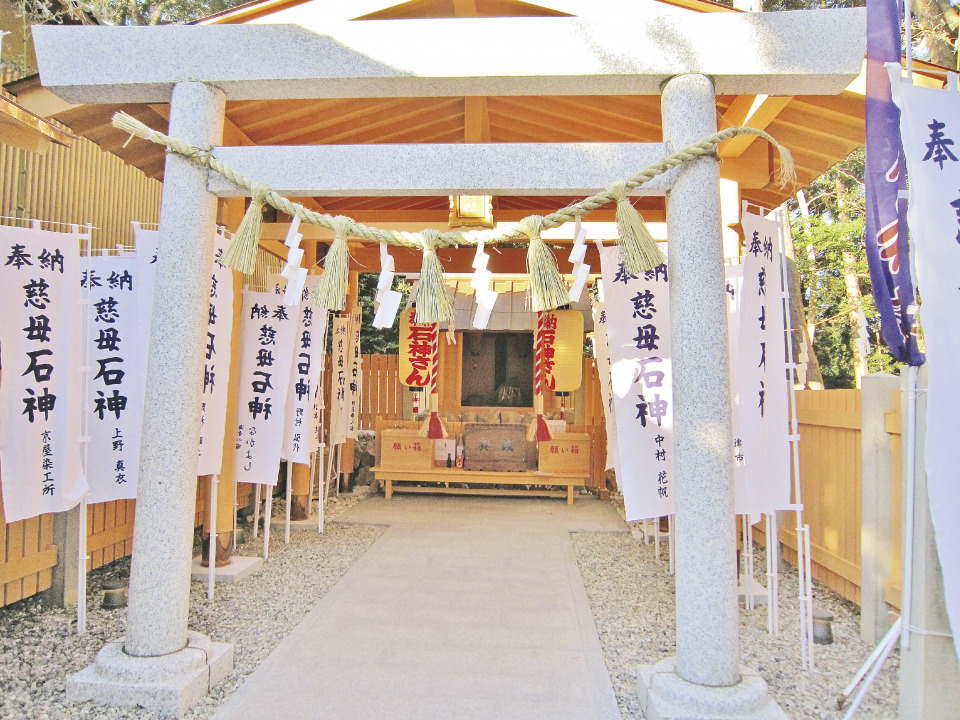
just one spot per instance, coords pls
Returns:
(464, 608)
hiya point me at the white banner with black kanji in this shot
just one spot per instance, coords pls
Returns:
(930, 128)
(761, 445)
(216, 367)
(602, 359)
(638, 328)
(40, 353)
(115, 342)
(300, 421)
(267, 329)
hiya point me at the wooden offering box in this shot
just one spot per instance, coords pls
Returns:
(405, 450)
(501, 448)
(566, 454)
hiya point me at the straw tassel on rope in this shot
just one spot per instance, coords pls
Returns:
(433, 304)
(547, 288)
(241, 253)
(638, 250)
(331, 289)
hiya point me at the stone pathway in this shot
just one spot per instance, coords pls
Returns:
(464, 608)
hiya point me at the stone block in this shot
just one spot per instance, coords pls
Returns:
(168, 685)
(664, 695)
(239, 568)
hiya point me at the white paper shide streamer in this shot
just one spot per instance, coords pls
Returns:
(638, 327)
(41, 390)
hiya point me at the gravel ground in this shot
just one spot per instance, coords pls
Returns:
(632, 598)
(40, 649)
(631, 595)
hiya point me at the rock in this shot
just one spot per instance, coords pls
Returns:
(363, 476)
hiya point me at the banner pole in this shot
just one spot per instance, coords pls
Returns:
(256, 510)
(267, 515)
(286, 524)
(212, 551)
(234, 514)
(673, 543)
(82, 539)
(770, 599)
(909, 505)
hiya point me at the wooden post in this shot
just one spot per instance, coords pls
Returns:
(346, 450)
(300, 486)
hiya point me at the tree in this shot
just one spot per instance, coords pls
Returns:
(120, 12)
(844, 323)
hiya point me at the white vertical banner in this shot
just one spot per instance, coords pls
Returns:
(343, 386)
(601, 352)
(354, 382)
(147, 242)
(40, 352)
(216, 368)
(267, 329)
(762, 467)
(300, 422)
(116, 347)
(638, 330)
(930, 128)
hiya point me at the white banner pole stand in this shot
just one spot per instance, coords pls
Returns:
(286, 524)
(267, 515)
(82, 540)
(256, 510)
(212, 551)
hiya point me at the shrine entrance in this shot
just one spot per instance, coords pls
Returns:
(674, 94)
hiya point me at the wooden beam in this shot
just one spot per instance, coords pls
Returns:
(465, 8)
(476, 120)
(763, 111)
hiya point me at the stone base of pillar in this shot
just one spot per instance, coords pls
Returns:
(168, 685)
(664, 695)
(308, 524)
(238, 568)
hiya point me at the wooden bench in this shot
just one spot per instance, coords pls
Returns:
(397, 480)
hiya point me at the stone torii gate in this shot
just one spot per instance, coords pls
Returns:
(164, 666)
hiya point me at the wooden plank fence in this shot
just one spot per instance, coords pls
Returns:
(831, 481)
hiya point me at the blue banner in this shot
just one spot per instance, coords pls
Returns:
(885, 177)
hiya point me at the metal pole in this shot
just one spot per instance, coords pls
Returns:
(267, 515)
(286, 522)
(909, 510)
(212, 551)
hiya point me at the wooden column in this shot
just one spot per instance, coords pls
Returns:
(346, 450)
(229, 213)
(300, 492)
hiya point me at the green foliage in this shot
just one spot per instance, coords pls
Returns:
(121, 12)
(835, 227)
(374, 341)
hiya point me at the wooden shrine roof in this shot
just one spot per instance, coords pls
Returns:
(818, 130)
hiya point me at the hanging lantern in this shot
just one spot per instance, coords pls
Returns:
(560, 339)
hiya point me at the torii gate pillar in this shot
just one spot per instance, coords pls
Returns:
(161, 665)
(705, 679)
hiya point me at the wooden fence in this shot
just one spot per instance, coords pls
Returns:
(830, 471)
(831, 481)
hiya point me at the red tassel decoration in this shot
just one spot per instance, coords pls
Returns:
(542, 432)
